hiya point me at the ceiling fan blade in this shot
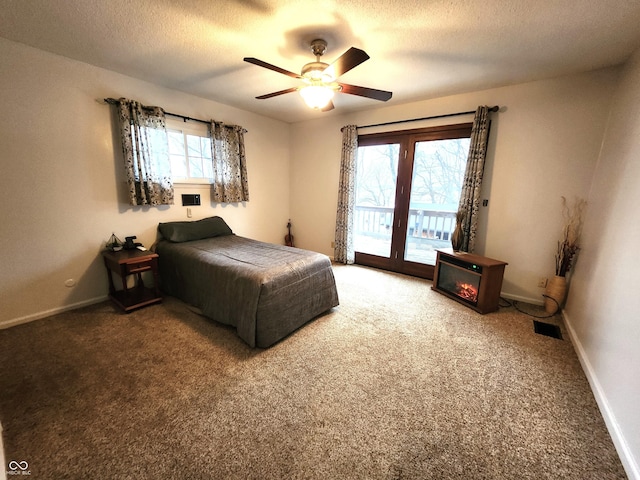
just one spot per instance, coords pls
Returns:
(275, 94)
(328, 107)
(381, 95)
(260, 63)
(348, 60)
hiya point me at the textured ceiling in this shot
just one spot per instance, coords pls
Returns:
(418, 49)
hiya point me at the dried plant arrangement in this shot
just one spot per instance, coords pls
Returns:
(457, 237)
(569, 245)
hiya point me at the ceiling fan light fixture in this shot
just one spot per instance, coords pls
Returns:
(317, 96)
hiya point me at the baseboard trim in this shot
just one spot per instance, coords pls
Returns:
(47, 313)
(518, 298)
(626, 456)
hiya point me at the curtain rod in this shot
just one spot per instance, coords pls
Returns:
(495, 108)
(113, 101)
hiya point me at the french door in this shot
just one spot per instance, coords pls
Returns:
(408, 187)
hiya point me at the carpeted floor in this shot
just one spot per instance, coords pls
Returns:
(398, 382)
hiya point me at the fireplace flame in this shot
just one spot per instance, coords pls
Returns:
(467, 291)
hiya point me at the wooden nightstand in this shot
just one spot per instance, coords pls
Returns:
(132, 262)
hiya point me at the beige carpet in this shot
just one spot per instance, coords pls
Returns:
(398, 382)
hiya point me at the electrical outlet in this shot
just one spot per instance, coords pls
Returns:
(542, 282)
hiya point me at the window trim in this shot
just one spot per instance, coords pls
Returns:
(199, 130)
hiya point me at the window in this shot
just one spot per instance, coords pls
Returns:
(189, 152)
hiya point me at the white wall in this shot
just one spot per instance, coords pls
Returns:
(603, 307)
(544, 144)
(62, 182)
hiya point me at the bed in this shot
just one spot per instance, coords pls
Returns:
(266, 291)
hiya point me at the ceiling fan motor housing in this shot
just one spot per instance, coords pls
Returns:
(315, 71)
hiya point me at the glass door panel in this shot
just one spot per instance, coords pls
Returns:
(407, 190)
(436, 183)
(376, 178)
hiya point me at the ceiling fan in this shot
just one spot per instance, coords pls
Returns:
(320, 78)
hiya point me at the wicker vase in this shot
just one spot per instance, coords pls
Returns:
(456, 238)
(556, 290)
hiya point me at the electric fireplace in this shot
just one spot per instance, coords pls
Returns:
(470, 279)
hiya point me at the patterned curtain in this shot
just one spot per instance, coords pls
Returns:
(230, 182)
(146, 153)
(472, 183)
(344, 251)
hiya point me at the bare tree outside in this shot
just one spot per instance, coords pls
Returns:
(376, 175)
(438, 171)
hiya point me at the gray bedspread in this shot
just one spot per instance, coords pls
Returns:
(264, 290)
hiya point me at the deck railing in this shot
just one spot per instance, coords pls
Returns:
(428, 224)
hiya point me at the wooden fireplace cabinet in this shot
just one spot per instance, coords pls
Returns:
(489, 274)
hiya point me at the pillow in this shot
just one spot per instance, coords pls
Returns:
(196, 230)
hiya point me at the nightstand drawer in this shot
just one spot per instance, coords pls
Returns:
(138, 267)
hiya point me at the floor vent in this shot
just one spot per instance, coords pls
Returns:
(547, 329)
